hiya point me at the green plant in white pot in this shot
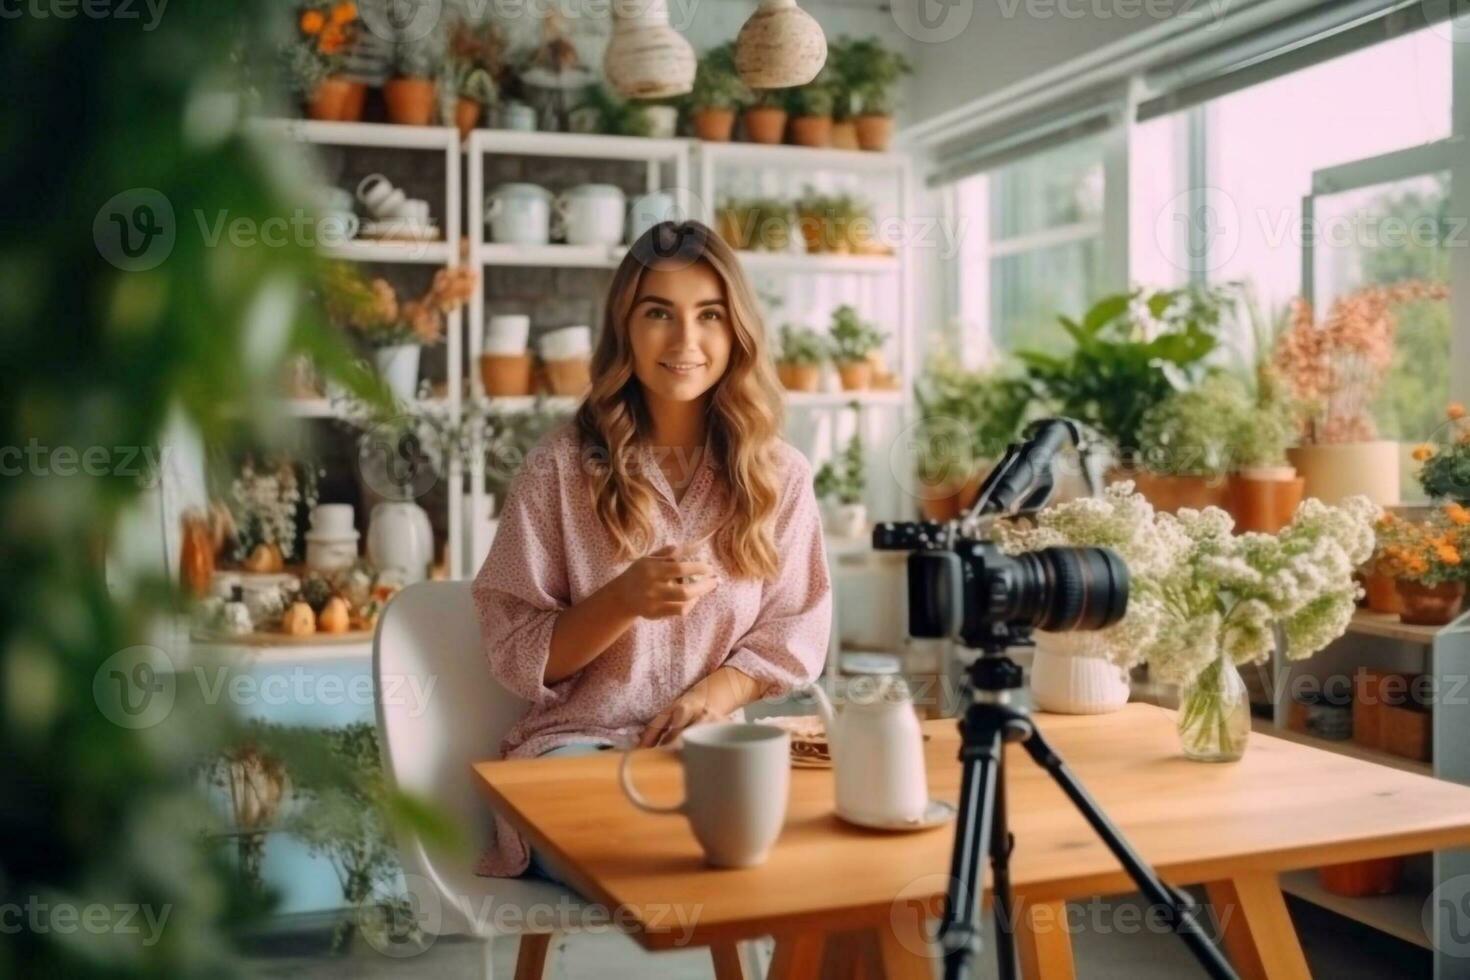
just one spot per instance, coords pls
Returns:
(839, 484)
(1204, 601)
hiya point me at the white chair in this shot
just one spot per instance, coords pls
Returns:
(429, 632)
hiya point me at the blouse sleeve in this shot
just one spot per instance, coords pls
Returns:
(786, 648)
(522, 587)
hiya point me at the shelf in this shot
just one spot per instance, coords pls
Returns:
(432, 253)
(554, 256)
(801, 157)
(591, 146)
(840, 399)
(1400, 915)
(517, 404)
(1387, 626)
(388, 135)
(1345, 747)
(800, 263)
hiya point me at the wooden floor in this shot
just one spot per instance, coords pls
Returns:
(1110, 945)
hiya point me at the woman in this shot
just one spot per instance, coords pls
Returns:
(659, 559)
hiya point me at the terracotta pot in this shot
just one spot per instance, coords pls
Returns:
(1382, 592)
(713, 125)
(844, 134)
(943, 506)
(727, 223)
(466, 116)
(356, 100)
(506, 375)
(569, 377)
(1336, 471)
(799, 377)
(1264, 500)
(811, 130)
(856, 375)
(1172, 493)
(764, 124)
(410, 101)
(196, 555)
(1426, 605)
(330, 100)
(1357, 879)
(874, 132)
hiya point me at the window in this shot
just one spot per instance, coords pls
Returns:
(1033, 247)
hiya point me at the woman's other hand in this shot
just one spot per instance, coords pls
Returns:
(712, 699)
(665, 583)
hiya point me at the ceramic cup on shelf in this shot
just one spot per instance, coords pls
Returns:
(331, 541)
(507, 333)
(519, 214)
(737, 777)
(516, 116)
(592, 214)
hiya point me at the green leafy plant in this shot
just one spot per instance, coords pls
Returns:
(965, 417)
(817, 98)
(801, 345)
(716, 83)
(871, 71)
(615, 116)
(843, 479)
(1444, 464)
(1192, 432)
(417, 59)
(1267, 427)
(768, 98)
(852, 337)
(843, 76)
(1130, 352)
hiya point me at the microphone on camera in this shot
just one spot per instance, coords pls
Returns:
(1024, 474)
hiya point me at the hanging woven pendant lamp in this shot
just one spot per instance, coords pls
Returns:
(781, 45)
(645, 57)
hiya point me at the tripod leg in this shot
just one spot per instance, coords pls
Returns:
(1001, 844)
(960, 935)
(1179, 909)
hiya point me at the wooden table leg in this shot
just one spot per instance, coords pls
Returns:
(1257, 931)
(729, 964)
(534, 955)
(1043, 944)
(797, 957)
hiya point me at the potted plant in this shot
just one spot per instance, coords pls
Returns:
(718, 93)
(1334, 369)
(765, 117)
(839, 484)
(854, 342)
(1202, 601)
(822, 220)
(1128, 352)
(265, 505)
(810, 107)
(1444, 470)
(477, 61)
(603, 112)
(1185, 443)
(1264, 487)
(412, 92)
(1426, 560)
(760, 224)
(315, 57)
(844, 95)
(966, 420)
(799, 361)
(874, 72)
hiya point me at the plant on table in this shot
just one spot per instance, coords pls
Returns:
(854, 343)
(800, 357)
(1427, 560)
(1191, 432)
(266, 504)
(840, 484)
(1444, 470)
(1204, 601)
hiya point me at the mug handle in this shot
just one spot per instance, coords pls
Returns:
(636, 798)
(372, 179)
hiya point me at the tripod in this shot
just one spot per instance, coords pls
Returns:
(991, 720)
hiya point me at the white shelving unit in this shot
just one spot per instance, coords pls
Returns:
(437, 139)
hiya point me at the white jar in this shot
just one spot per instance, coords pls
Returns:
(519, 214)
(507, 334)
(592, 214)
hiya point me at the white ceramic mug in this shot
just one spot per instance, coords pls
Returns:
(737, 777)
(373, 190)
(519, 214)
(592, 214)
(413, 210)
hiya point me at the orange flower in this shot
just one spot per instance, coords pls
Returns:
(312, 22)
(1458, 514)
(344, 13)
(1455, 411)
(1448, 555)
(332, 40)
(1422, 452)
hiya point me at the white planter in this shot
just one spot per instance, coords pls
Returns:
(1067, 681)
(663, 120)
(846, 520)
(399, 368)
(1334, 472)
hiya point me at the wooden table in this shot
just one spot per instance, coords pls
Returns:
(1233, 827)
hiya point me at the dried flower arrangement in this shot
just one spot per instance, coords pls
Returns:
(372, 310)
(1336, 368)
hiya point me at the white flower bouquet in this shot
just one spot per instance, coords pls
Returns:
(1202, 597)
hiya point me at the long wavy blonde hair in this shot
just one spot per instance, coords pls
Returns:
(744, 410)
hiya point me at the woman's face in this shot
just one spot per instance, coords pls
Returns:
(680, 332)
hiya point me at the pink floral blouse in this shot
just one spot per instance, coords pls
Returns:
(550, 552)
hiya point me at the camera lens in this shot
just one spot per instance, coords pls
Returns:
(1061, 589)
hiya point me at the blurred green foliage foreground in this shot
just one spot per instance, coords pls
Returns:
(118, 319)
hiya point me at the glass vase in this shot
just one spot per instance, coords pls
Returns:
(1215, 714)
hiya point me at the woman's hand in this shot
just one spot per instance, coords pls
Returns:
(664, 583)
(711, 699)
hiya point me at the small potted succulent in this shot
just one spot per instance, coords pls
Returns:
(810, 107)
(411, 94)
(315, 58)
(718, 94)
(844, 95)
(477, 60)
(799, 361)
(874, 72)
(839, 485)
(765, 117)
(854, 342)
